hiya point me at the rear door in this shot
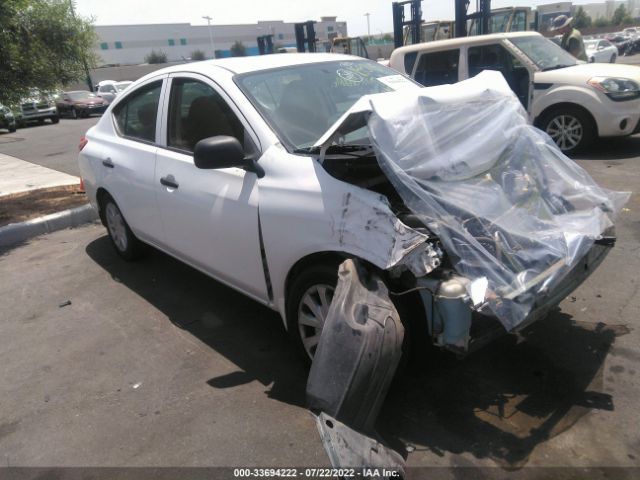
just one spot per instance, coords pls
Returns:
(437, 68)
(127, 160)
(210, 217)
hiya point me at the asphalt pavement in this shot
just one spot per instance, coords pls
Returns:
(53, 146)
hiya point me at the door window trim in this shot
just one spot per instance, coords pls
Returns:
(164, 127)
(123, 98)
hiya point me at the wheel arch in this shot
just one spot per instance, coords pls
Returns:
(101, 195)
(560, 106)
(311, 260)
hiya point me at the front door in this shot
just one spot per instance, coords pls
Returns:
(496, 56)
(210, 217)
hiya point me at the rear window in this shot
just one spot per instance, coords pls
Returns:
(136, 116)
(438, 68)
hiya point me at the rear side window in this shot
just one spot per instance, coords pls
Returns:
(409, 62)
(136, 116)
(438, 68)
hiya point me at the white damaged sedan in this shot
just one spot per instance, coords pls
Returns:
(267, 172)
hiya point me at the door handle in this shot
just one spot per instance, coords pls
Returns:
(108, 163)
(169, 182)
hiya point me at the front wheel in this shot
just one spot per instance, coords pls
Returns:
(12, 128)
(121, 236)
(55, 119)
(613, 58)
(74, 113)
(570, 128)
(308, 304)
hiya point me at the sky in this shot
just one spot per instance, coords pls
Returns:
(123, 12)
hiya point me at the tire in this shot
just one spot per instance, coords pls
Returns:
(74, 113)
(310, 295)
(55, 119)
(12, 128)
(571, 128)
(613, 58)
(41, 121)
(122, 238)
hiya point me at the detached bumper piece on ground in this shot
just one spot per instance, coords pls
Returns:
(356, 359)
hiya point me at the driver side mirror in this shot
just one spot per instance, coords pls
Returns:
(223, 151)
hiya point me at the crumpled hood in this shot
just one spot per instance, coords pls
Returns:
(509, 208)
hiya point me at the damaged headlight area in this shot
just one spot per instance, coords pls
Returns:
(519, 221)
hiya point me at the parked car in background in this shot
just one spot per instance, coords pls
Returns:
(109, 91)
(38, 107)
(601, 51)
(572, 101)
(81, 103)
(625, 44)
(7, 119)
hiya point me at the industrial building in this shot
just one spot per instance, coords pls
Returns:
(129, 44)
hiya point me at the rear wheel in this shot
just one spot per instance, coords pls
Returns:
(55, 119)
(121, 236)
(571, 128)
(12, 128)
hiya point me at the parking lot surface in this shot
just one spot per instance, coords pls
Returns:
(152, 363)
(52, 146)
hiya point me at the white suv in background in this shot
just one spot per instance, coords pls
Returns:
(573, 102)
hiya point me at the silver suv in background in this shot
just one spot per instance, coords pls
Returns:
(109, 90)
(7, 120)
(38, 107)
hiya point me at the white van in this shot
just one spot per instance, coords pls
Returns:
(572, 101)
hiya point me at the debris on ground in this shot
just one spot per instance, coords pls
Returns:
(19, 207)
(357, 357)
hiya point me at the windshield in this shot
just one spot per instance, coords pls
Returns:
(590, 43)
(81, 95)
(544, 53)
(301, 102)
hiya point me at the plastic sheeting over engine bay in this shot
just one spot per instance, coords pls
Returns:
(514, 214)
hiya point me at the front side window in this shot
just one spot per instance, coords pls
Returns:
(135, 116)
(196, 112)
(438, 68)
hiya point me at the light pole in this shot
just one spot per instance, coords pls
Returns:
(368, 28)
(213, 48)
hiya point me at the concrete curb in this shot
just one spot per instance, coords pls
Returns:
(19, 232)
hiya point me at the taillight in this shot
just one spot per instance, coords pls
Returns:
(83, 143)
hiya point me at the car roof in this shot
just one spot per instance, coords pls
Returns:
(461, 41)
(259, 62)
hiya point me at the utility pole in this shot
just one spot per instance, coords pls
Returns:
(368, 28)
(213, 48)
(84, 60)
